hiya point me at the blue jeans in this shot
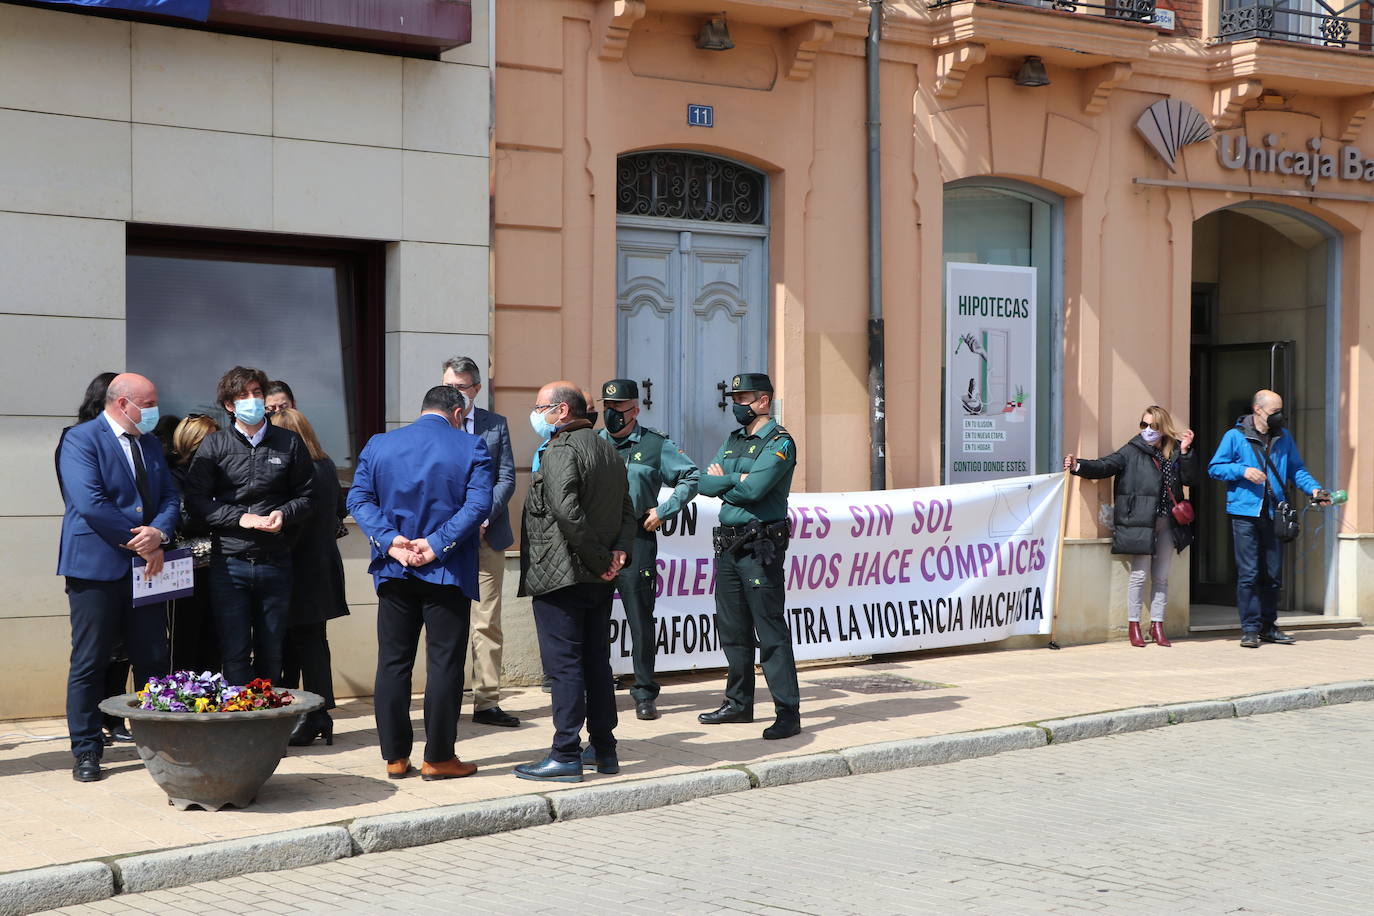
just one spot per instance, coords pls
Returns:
(1259, 572)
(251, 603)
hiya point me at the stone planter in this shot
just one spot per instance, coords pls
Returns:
(211, 759)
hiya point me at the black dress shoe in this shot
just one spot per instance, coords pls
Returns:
(787, 724)
(495, 716)
(604, 763)
(1274, 634)
(1249, 641)
(87, 768)
(726, 713)
(550, 770)
(645, 709)
(547, 684)
(313, 725)
(118, 733)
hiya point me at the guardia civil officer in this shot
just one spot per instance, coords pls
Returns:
(652, 461)
(752, 474)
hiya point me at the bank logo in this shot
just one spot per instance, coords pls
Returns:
(1169, 125)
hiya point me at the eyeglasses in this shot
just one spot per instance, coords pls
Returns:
(543, 407)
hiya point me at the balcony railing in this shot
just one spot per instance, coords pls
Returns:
(1307, 21)
(1129, 10)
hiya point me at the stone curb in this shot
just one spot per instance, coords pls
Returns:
(1098, 725)
(212, 861)
(1348, 692)
(85, 882)
(1182, 713)
(1278, 701)
(646, 793)
(791, 770)
(54, 887)
(937, 749)
(451, 822)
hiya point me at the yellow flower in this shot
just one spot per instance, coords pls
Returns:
(202, 704)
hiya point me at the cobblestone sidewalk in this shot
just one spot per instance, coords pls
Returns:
(46, 818)
(1235, 815)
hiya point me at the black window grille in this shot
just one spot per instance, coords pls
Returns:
(689, 186)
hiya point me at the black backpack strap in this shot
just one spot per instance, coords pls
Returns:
(1264, 457)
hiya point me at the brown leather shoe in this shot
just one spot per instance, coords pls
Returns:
(399, 769)
(448, 769)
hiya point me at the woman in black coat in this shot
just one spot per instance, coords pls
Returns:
(317, 593)
(1151, 471)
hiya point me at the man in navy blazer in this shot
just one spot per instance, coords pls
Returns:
(421, 494)
(463, 373)
(120, 503)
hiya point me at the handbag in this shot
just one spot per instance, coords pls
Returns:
(199, 547)
(1286, 525)
(1181, 509)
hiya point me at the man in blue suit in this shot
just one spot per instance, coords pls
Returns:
(421, 494)
(462, 373)
(120, 502)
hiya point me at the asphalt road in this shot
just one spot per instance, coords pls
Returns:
(1268, 814)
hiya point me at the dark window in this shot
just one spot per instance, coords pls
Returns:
(687, 186)
(308, 311)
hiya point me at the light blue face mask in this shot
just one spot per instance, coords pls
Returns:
(542, 428)
(250, 411)
(147, 420)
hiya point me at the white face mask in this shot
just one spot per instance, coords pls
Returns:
(1151, 436)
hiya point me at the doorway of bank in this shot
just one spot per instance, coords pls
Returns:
(1264, 313)
(691, 290)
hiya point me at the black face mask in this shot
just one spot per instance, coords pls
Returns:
(1277, 421)
(591, 417)
(615, 420)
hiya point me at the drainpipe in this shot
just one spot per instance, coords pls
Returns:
(877, 376)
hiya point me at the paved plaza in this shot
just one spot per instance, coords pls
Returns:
(1260, 815)
(46, 818)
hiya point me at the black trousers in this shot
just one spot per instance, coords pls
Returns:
(751, 610)
(102, 613)
(306, 661)
(636, 585)
(403, 607)
(574, 627)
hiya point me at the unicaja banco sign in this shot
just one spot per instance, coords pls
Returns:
(1309, 163)
(1169, 125)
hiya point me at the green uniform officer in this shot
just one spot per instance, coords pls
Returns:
(752, 474)
(653, 462)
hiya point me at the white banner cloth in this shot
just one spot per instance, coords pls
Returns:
(869, 573)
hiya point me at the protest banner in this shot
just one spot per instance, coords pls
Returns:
(875, 572)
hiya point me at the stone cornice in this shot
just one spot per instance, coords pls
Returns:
(1067, 39)
(1282, 64)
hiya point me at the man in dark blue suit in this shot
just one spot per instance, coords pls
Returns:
(463, 373)
(120, 502)
(421, 494)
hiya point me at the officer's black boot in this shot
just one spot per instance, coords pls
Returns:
(787, 724)
(726, 713)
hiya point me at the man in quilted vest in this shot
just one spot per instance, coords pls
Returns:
(577, 535)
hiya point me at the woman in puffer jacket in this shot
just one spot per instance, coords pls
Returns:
(1151, 471)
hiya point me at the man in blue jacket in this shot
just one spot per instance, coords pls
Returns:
(1257, 459)
(463, 373)
(120, 503)
(420, 495)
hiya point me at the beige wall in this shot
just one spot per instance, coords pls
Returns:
(568, 105)
(106, 122)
